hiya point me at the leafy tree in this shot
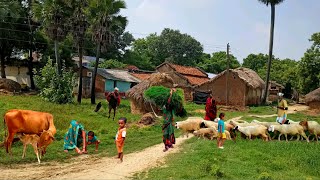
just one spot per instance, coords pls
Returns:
(10, 11)
(170, 45)
(54, 16)
(141, 61)
(79, 26)
(309, 66)
(218, 62)
(54, 87)
(105, 22)
(111, 64)
(255, 61)
(273, 4)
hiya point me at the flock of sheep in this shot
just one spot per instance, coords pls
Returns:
(204, 128)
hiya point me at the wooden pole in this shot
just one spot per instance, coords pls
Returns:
(227, 77)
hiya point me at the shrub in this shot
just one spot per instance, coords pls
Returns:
(55, 88)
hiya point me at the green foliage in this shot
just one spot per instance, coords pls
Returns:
(309, 66)
(159, 95)
(218, 63)
(170, 45)
(55, 88)
(111, 63)
(255, 61)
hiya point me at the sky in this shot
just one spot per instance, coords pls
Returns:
(244, 24)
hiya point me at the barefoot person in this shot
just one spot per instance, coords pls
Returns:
(120, 137)
(211, 109)
(92, 139)
(167, 127)
(75, 137)
(221, 133)
(282, 110)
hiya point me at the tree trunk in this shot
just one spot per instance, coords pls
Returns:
(30, 67)
(93, 81)
(56, 49)
(273, 11)
(80, 49)
(3, 72)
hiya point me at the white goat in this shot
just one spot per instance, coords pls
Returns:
(291, 129)
(189, 125)
(312, 126)
(257, 130)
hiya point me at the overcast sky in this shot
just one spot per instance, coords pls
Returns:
(243, 23)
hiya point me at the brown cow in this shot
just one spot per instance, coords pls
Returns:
(29, 122)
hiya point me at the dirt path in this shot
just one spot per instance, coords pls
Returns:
(291, 110)
(88, 167)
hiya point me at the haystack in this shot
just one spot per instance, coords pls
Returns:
(8, 86)
(313, 99)
(147, 119)
(137, 102)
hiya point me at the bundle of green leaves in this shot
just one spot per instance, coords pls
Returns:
(159, 95)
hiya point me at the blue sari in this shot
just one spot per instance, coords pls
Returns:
(73, 137)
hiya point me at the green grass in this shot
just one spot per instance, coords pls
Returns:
(199, 159)
(105, 129)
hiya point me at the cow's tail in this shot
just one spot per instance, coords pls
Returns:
(5, 134)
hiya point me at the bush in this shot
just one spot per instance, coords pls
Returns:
(55, 88)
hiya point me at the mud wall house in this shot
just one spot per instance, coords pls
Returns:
(245, 87)
(107, 80)
(184, 76)
(313, 99)
(274, 88)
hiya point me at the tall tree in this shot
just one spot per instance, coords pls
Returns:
(105, 21)
(54, 15)
(255, 61)
(273, 4)
(79, 26)
(309, 66)
(9, 20)
(218, 62)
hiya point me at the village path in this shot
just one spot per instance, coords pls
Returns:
(88, 167)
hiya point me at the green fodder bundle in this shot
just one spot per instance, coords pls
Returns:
(159, 95)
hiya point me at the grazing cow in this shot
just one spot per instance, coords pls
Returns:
(32, 139)
(114, 101)
(29, 122)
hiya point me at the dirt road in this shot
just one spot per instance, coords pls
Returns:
(88, 167)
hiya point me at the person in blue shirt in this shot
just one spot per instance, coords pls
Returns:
(92, 139)
(221, 133)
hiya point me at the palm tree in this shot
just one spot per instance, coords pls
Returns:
(79, 26)
(105, 21)
(273, 4)
(54, 15)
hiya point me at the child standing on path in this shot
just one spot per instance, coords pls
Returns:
(120, 137)
(221, 133)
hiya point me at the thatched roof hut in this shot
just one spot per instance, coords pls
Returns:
(138, 104)
(245, 87)
(313, 99)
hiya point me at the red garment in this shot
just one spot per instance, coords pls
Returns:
(211, 109)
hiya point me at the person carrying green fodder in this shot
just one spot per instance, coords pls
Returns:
(170, 103)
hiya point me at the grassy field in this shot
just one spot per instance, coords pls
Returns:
(199, 159)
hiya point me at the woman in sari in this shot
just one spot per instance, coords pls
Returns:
(168, 124)
(211, 109)
(75, 137)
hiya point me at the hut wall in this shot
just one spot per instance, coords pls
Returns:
(253, 96)
(237, 90)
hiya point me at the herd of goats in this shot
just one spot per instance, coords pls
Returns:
(203, 128)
